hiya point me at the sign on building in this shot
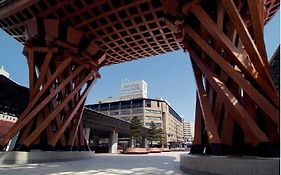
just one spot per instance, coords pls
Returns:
(137, 89)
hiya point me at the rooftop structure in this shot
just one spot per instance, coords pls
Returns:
(134, 89)
(129, 90)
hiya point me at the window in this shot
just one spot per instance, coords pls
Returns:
(147, 123)
(114, 113)
(158, 105)
(152, 118)
(174, 114)
(93, 107)
(125, 112)
(137, 103)
(114, 106)
(136, 111)
(156, 124)
(126, 118)
(152, 111)
(126, 105)
(148, 103)
(104, 107)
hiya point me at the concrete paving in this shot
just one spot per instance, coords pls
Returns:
(167, 163)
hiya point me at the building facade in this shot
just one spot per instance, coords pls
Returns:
(129, 90)
(133, 102)
(188, 131)
(13, 100)
(147, 110)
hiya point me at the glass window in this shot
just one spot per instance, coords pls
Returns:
(104, 107)
(147, 123)
(152, 111)
(114, 113)
(114, 106)
(126, 118)
(148, 103)
(125, 104)
(136, 111)
(137, 103)
(125, 112)
(152, 118)
(174, 114)
(156, 124)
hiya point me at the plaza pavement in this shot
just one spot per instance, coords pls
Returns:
(166, 163)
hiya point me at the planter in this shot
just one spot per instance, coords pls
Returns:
(135, 151)
(155, 150)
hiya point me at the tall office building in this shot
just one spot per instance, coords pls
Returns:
(134, 103)
(188, 131)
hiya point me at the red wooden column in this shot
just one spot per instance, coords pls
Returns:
(63, 66)
(238, 101)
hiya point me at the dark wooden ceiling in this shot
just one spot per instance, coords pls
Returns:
(125, 29)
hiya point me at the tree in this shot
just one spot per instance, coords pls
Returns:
(152, 133)
(155, 134)
(160, 136)
(135, 131)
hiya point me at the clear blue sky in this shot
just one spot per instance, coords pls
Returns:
(168, 76)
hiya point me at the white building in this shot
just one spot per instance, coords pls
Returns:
(188, 131)
(129, 90)
(134, 89)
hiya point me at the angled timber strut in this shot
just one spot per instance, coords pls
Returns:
(66, 42)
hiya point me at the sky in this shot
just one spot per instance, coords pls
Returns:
(168, 76)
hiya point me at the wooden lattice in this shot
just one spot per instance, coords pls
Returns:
(63, 66)
(237, 109)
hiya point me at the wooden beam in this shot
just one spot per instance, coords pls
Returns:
(210, 124)
(70, 116)
(198, 123)
(75, 127)
(259, 99)
(239, 113)
(15, 129)
(257, 22)
(241, 60)
(247, 40)
(43, 71)
(81, 136)
(52, 115)
(227, 128)
(31, 68)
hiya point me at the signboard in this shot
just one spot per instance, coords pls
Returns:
(134, 88)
